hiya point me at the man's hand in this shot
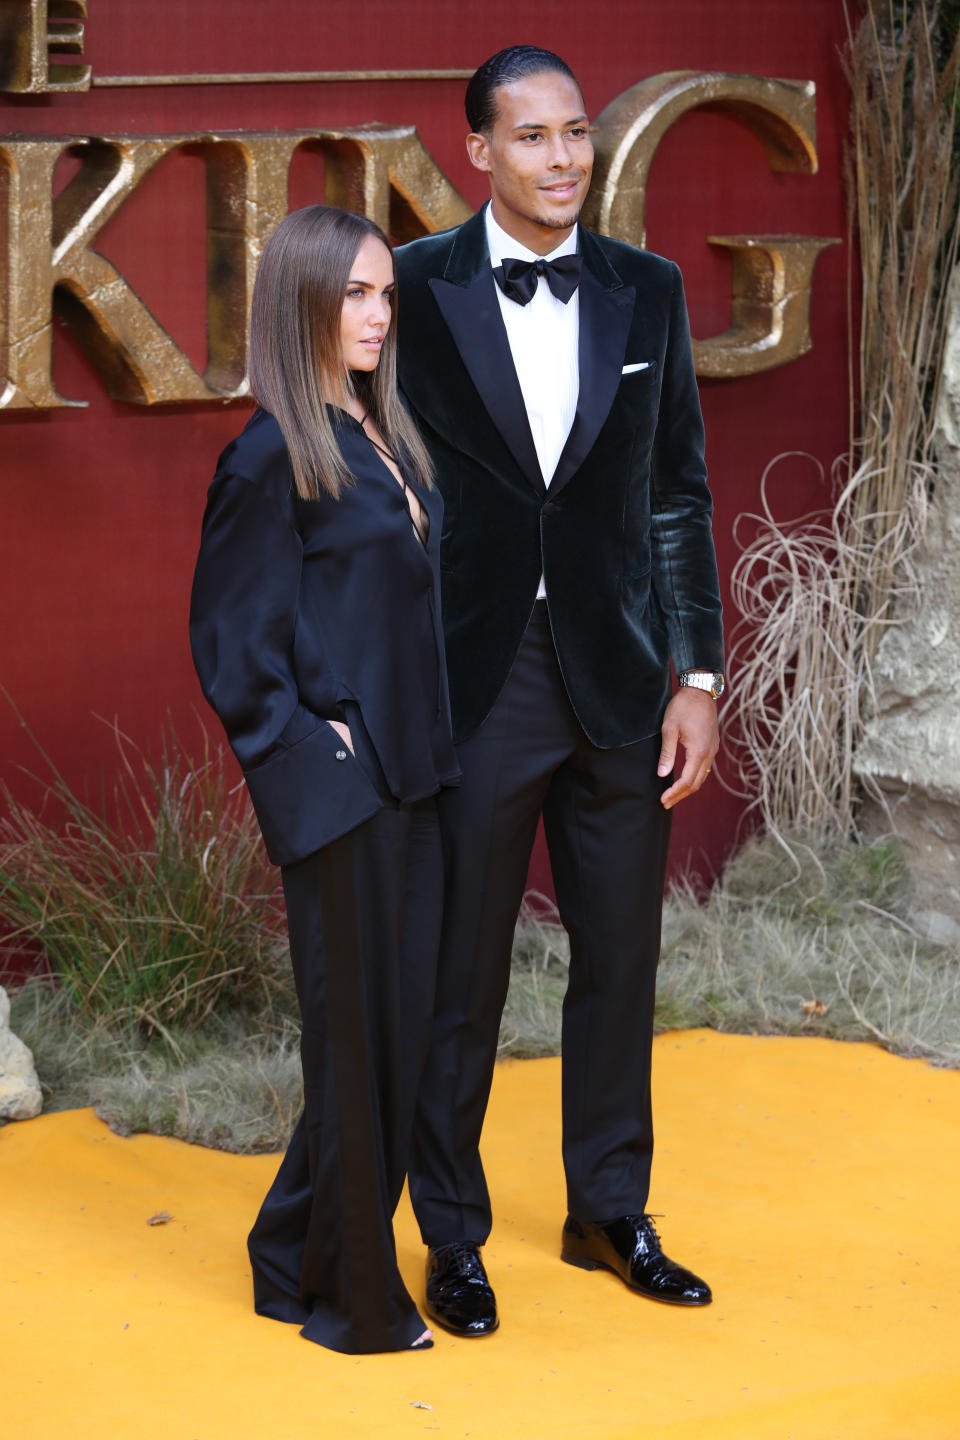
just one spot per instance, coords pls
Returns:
(691, 721)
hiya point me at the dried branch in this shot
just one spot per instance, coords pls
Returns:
(817, 594)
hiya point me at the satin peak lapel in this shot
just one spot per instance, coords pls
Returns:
(606, 313)
(472, 314)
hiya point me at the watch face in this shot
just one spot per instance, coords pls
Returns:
(718, 687)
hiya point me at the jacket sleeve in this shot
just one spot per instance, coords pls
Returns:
(684, 565)
(306, 787)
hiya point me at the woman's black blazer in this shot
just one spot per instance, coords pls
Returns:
(306, 611)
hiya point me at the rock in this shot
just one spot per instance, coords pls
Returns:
(911, 744)
(934, 925)
(20, 1097)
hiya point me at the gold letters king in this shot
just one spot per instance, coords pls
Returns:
(50, 256)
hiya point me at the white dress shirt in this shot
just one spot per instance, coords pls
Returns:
(544, 341)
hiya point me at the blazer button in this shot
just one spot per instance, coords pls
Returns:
(550, 508)
(341, 754)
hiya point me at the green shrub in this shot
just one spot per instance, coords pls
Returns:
(157, 906)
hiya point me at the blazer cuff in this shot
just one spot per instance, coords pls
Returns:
(306, 795)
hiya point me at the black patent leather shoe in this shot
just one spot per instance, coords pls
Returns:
(630, 1247)
(459, 1295)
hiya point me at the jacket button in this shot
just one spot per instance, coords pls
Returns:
(550, 508)
(341, 754)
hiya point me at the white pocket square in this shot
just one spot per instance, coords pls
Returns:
(631, 369)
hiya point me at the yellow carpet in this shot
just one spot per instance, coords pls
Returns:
(813, 1183)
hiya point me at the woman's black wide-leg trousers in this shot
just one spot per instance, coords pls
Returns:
(364, 918)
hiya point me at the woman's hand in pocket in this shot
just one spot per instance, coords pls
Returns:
(344, 732)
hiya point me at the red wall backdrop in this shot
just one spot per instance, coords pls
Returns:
(100, 507)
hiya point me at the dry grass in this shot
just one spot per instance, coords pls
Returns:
(817, 593)
(154, 909)
(232, 1085)
(795, 942)
(242, 1093)
(789, 942)
(538, 979)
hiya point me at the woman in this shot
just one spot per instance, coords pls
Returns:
(316, 635)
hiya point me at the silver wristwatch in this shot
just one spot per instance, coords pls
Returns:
(709, 680)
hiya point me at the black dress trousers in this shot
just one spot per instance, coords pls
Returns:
(306, 611)
(364, 922)
(607, 836)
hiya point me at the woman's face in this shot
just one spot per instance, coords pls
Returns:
(367, 305)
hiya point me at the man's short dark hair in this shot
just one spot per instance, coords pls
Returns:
(514, 63)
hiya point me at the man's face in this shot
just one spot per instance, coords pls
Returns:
(538, 157)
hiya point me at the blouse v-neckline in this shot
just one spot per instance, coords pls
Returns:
(423, 535)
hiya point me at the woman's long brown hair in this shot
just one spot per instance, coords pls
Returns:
(296, 358)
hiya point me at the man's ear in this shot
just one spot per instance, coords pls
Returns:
(478, 151)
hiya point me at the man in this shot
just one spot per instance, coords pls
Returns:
(550, 370)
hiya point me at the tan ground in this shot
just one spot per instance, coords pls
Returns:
(813, 1183)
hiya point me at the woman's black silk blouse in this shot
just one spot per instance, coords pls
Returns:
(309, 610)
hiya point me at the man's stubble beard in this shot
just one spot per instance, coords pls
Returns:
(559, 222)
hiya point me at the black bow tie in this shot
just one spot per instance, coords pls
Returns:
(518, 278)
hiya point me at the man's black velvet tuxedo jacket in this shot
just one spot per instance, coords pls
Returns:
(622, 535)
